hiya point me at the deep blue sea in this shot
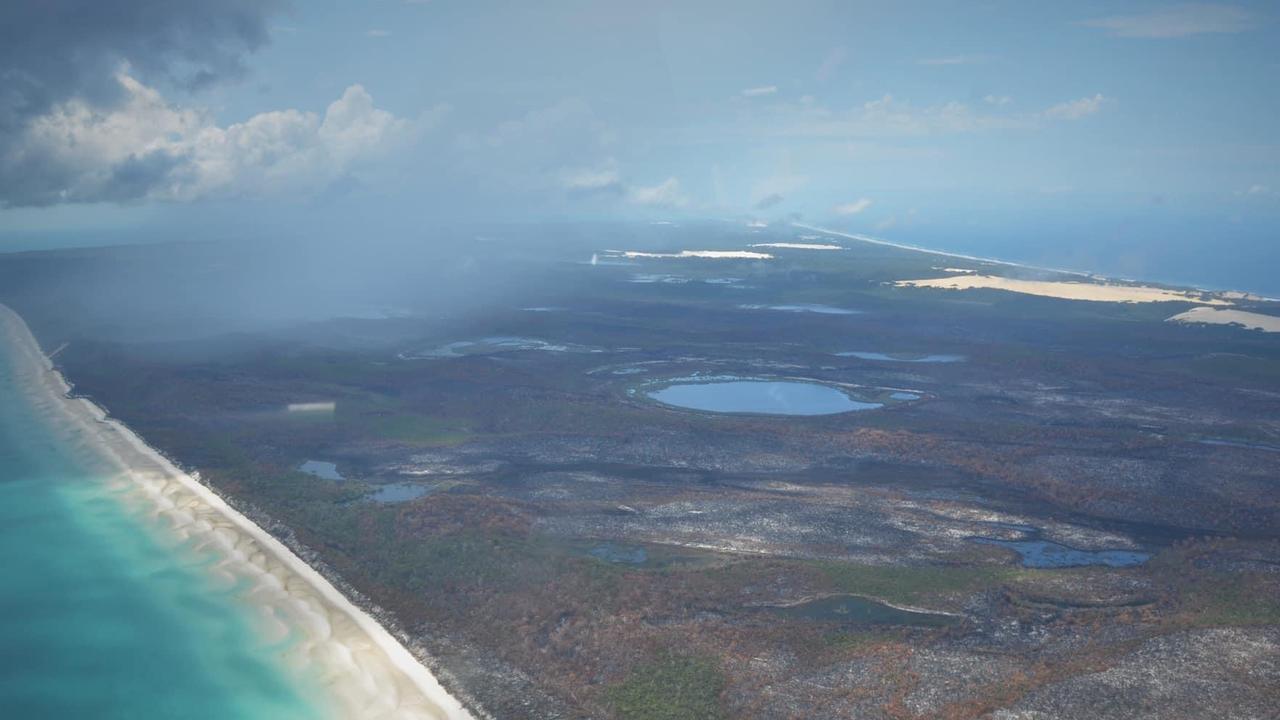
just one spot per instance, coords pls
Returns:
(102, 615)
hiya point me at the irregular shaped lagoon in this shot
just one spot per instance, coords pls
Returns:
(857, 610)
(321, 469)
(768, 397)
(804, 308)
(903, 357)
(1045, 554)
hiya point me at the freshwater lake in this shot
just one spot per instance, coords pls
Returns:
(857, 610)
(1046, 554)
(767, 397)
(903, 357)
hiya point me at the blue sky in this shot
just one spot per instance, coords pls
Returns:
(944, 123)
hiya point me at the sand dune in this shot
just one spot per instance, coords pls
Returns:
(797, 246)
(1096, 292)
(367, 673)
(1211, 316)
(712, 254)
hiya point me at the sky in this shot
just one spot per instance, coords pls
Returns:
(1089, 134)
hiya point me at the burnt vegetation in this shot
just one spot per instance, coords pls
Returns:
(1089, 425)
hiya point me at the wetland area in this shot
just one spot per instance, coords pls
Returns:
(786, 483)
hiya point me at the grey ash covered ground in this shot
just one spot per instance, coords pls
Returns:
(579, 551)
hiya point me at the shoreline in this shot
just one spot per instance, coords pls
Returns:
(929, 251)
(365, 671)
(1243, 295)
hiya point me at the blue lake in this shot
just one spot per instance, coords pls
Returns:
(619, 554)
(769, 397)
(902, 357)
(321, 469)
(1045, 554)
(857, 610)
(804, 308)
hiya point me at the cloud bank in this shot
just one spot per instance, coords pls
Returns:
(146, 148)
(1177, 21)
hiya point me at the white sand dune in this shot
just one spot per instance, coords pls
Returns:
(367, 673)
(797, 246)
(1095, 292)
(712, 254)
(1212, 316)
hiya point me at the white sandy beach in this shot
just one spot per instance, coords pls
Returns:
(1095, 292)
(366, 672)
(1219, 297)
(709, 254)
(916, 248)
(796, 246)
(1212, 316)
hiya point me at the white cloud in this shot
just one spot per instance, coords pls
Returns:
(1076, 109)
(589, 179)
(997, 100)
(760, 91)
(885, 117)
(852, 208)
(664, 194)
(1177, 21)
(147, 148)
(1257, 190)
(377, 33)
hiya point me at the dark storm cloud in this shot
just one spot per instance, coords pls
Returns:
(53, 50)
(769, 201)
(138, 174)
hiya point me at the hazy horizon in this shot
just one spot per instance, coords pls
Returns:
(1135, 140)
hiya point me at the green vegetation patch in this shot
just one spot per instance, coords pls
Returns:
(912, 584)
(674, 687)
(417, 429)
(1228, 599)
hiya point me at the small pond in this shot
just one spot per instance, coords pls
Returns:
(619, 554)
(857, 610)
(1045, 554)
(903, 357)
(321, 469)
(493, 345)
(769, 397)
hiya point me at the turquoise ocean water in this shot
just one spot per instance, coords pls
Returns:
(101, 614)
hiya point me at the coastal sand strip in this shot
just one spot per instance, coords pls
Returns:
(916, 248)
(366, 673)
(1093, 292)
(1243, 318)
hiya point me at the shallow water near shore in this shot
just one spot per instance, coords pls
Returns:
(101, 614)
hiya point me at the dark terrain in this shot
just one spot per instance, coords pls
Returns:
(575, 549)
